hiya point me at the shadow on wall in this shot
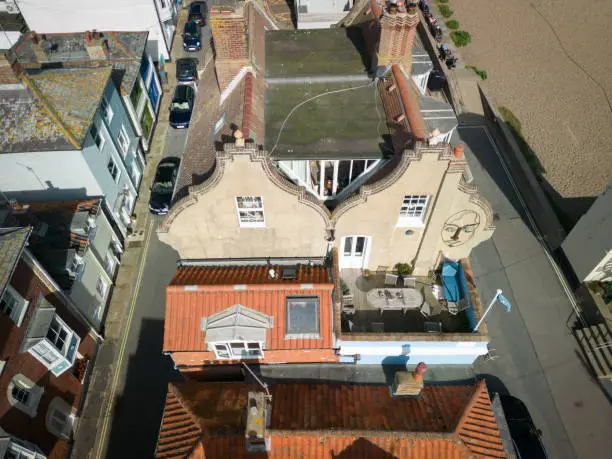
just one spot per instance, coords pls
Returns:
(139, 408)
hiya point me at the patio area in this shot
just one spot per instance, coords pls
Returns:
(370, 293)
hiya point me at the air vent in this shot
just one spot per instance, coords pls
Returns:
(289, 272)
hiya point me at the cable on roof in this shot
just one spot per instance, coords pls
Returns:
(309, 100)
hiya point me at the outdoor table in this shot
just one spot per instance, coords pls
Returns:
(390, 299)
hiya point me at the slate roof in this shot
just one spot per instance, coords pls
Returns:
(57, 105)
(196, 293)
(12, 243)
(333, 420)
(126, 50)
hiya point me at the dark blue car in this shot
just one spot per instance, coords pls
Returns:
(191, 37)
(182, 106)
(186, 70)
(163, 186)
(197, 13)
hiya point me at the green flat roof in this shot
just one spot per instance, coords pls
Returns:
(295, 53)
(346, 125)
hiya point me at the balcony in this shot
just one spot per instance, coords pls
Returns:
(381, 306)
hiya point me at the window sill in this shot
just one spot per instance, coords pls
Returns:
(410, 224)
(304, 336)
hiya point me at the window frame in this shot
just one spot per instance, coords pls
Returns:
(115, 167)
(102, 281)
(62, 427)
(20, 451)
(62, 327)
(18, 309)
(239, 209)
(98, 135)
(234, 356)
(412, 202)
(123, 134)
(106, 110)
(302, 335)
(22, 382)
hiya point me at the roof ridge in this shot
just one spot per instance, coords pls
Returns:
(49, 107)
(477, 445)
(174, 398)
(120, 44)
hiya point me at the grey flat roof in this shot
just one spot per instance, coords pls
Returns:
(302, 64)
(346, 125)
(295, 53)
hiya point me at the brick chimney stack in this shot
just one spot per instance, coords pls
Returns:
(10, 71)
(398, 22)
(96, 45)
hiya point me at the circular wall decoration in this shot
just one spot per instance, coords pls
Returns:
(460, 228)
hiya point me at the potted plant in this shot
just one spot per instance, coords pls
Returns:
(344, 288)
(403, 269)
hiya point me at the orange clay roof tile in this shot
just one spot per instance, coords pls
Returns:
(356, 421)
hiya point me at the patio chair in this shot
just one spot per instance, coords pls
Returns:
(348, 304)
(425, 310)
(433, 327)
(409, 281)
(391, 279)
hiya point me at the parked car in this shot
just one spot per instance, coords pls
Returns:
(525, 435)
(163, 185)
(436, 81)
(191, 37)
(186, 70)
(182, 106)
(197, 13)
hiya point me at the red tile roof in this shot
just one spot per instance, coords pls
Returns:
(198, 292)
(251, 274)
(179, 434)
(410, 102)
(338, 420)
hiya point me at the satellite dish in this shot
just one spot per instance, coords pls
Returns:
(271, 273)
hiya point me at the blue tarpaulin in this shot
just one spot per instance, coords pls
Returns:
(450, 281)
(455, 287)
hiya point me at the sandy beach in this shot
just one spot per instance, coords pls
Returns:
(550, 62)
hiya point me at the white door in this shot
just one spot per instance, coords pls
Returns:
(354, 251)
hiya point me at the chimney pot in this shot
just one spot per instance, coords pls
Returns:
(35, 38)
(400, 118)
(419, 371)
(458, 151)
(88, 36)
(391, 88)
